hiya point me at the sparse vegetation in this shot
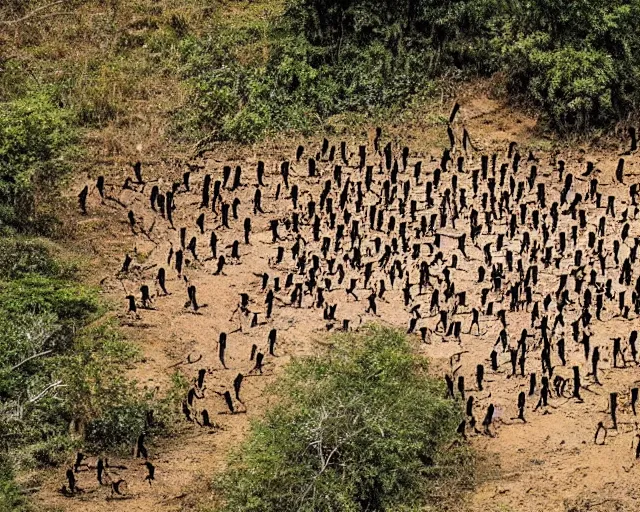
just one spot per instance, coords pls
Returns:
(363, 427)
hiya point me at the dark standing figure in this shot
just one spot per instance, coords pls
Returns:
(141, 450)
(82, 199)
(151, 472)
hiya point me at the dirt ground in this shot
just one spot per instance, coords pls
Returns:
(549, 463)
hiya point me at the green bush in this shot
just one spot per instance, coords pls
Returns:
(62, 385)
(578, 62)
(23, 256)
(34, 294)
(363, 427)
(10, 498)
(36, 141)
(112, 408)
(14, 79)
(573, 86)
(118, 426)
(126, 413)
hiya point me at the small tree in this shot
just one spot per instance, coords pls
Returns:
(363, 427)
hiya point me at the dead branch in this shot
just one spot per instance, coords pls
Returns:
(53, 385)
(30, 358)
(32, 13)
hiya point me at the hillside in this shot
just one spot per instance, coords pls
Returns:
(90, 88)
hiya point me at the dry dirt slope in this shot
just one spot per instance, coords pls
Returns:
(549, 463)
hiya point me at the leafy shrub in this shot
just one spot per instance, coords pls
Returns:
(112, 408)
(97, 395)
(14, 79)
(10, 498)
(321, 58)
(36, 141)
(125, 412)
(574, 87)
(244, 100)
(362, 428)
(21, 256)
(577, 61)
(52, 451)
(118, 426)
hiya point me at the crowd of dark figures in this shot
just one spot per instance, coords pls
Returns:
(515, 252)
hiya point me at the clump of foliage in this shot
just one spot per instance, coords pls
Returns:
(243, 99)
(10, 498)
(37, 139)
(578, 62)
(363, 427)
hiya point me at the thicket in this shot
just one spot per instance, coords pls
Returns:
(37, 142)
(576, 62)
(362, 427)
(61, 380)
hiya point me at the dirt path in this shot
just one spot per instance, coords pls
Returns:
(549, 463)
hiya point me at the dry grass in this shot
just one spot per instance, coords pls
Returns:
(113, 62)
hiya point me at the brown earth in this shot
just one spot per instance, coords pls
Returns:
(549, 463)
